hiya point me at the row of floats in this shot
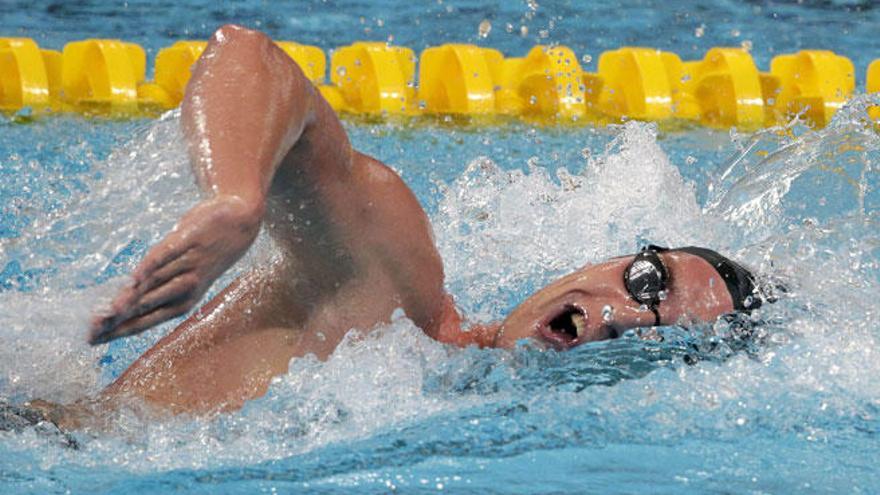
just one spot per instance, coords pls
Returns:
(723, 89)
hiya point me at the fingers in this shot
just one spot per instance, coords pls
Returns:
(162, 264)
(163, 273)
(183, 288)
(163, 253)
(141, 323)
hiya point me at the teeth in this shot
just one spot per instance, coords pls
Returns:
(580, 323)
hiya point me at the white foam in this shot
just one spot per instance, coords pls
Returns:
(501, 234)
(509, 229)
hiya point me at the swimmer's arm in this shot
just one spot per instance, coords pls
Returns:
(246, 106)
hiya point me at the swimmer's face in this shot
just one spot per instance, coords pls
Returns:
(592, 303)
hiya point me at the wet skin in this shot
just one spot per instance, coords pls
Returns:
(596, 295)
(354, 245)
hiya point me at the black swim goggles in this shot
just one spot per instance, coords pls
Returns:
(645, 279)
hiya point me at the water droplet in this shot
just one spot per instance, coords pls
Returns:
(587, 58)
(484, 28)
(523, 30)
(700, 31)
(607, 313)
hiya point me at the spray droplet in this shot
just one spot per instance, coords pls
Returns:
(586, 153)
(607, 313)
(700, 31)
(587, 58)
(485, 28)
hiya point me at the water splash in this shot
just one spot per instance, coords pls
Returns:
(391, 400)
(511, 230)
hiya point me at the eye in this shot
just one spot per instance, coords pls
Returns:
(645, 278)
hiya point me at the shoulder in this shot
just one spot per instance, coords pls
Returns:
(401, 240)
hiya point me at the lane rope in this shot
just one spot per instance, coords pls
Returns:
(724, 89)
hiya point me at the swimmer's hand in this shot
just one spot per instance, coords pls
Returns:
(177, 272)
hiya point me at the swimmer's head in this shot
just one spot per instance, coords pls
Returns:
(600, 302)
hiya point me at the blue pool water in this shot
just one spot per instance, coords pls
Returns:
(513, 206)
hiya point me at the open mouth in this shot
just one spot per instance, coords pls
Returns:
(568, 327)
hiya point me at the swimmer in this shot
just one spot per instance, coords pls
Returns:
(268, 152)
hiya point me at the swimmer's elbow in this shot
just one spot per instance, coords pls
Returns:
(258, 48)
(233, 34)
(260, 61)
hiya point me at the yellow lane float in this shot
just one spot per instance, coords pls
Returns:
(373, 78)
(872, 85)
(635, 83)
(723, 89)
(29, 77)
(102, 74)
(459, 79)
(172, 72)
(815, 82)
(547, 82)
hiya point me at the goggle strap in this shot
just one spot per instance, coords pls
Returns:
(656, 315)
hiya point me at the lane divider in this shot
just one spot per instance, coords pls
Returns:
(29, 77)
(102, 73)
(372, 78)
(724, 89)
